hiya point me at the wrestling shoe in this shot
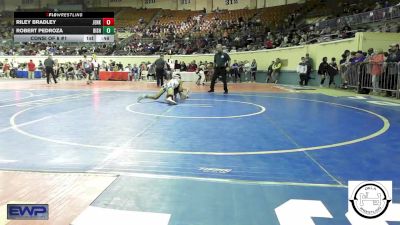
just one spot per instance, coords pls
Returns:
(185, 95)
(140, 98)
(170, 101)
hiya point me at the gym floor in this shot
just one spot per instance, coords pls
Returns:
(213, 159)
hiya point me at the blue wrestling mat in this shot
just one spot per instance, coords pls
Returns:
(213, 159)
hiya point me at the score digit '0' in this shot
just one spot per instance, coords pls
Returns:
(108, 21)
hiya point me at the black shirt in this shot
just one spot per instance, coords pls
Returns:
(221, 59)
(49, 62)
(323, 68)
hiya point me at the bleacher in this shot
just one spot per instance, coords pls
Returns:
(176, 16)
(232, 15)
(160, 28)
(133, 17)
(273, 15)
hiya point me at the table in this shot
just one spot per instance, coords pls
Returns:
(111, 75)
(24, 74)
(188, 76)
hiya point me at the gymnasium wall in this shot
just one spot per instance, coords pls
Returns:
(261, 4)
(12, 5)
(163, 4)
(234, 4)
(124, 3)
(187, 5)
(290, 56)
(378, 40)
(195, 5)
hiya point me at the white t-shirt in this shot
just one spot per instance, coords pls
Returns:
(172, 65)
(15, 65)
(247, 67)
(173, 83)
(95, 64)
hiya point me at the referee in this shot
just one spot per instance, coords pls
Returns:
(221, 64)
(49, 64)
(160, 70)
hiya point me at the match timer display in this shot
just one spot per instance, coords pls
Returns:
(64, 27)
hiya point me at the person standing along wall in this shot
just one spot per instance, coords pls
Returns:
(88, 69)
(254, 70)
(269, 72)
(333, 70)
(31, 69)
(135, 72)
(6, 69)
(343, 69)
(14, 68)
(276, 70)
(392, 66)
(96, 69)
(235, 71)
(323, 70)
(310, 66)
(302, 70)
(49, 64)
(247, 71)
(376, 63)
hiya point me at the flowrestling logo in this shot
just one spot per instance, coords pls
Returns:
(370, 199)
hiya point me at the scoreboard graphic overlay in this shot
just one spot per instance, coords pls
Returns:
(64, 27)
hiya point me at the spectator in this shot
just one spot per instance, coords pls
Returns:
(392, 67)
(59, 68)
(120, 66)
(276, 70)
(310, 66)
(269, 72)
(323, 70)
(359, 57)
(14, 68)
(201, 77)
(151, 68)
(247, 70)
(332, 71)
(376, 63)
(177, 66)
(302, 71)
(96, 68)
(192, 67)
(183, 66)
(344, 71)
(235, 71)
(171, 65)
(87, 66)
(254, 70)
(6, 69)
(31, 69)
(135, 72)
(70, 72)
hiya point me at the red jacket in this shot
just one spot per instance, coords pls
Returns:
(6, 67)
(31, 66)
